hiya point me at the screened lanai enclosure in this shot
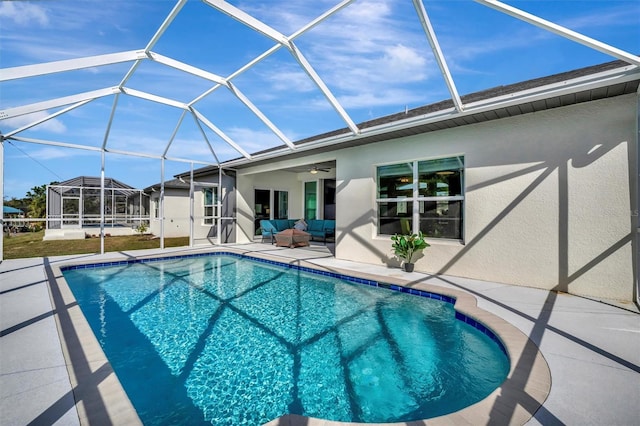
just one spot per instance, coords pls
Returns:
(287, 72)
(73, 208)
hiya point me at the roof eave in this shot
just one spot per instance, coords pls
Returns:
(618, 75)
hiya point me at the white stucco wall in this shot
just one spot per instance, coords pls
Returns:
(176, 213)
(548, 199)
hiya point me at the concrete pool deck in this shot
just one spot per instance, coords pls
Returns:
(592, 349)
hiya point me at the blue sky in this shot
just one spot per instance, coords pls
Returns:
(373, 55)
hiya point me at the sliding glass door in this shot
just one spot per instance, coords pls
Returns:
(270, 204)
(280, 205)
(310, 200)
(329, 198)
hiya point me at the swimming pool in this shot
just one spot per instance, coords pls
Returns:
(224, 340)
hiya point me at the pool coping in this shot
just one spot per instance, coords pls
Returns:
(98, 392)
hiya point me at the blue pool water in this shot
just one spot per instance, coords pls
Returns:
(226, 340)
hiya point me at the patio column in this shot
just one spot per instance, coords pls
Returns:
(191, 207)
(635, 205)
(2, 196)
(102, 202)
(162, 203)
(219, 205)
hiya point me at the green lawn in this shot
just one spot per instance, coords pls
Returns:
(31, 245)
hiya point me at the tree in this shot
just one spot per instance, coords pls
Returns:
(17, 203)
(37, 200)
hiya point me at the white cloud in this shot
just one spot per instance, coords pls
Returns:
(381, 98)
(55, 153)
(361, 50)
(57, 30)
(403, 59)
(53, 125)
(196, 149)
(374, 12)
(614, 17)
(252, 140)
(43, 153)
(134, 141)
(289, 79)
(23, 14)
(285, 17)
(393, 66)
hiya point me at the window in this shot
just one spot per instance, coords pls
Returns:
(210, 201)
(280, 205)
(329, 198)
(270, 204)
(310, 200)
(156, 208)
(422, 196)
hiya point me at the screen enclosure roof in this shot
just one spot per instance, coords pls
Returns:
(203, 83)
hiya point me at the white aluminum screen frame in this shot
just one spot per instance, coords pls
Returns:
(137, 56)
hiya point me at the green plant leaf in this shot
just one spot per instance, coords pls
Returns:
(406, 246)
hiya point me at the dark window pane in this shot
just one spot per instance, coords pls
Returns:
(395, 181)
(310, 200)
(280, 204)
(71, 205)
(442, 177)
(261, 206)
(208, 196)
(120, 204)
(330, 199)
(431, 166)
(394, 217)
(441, 219)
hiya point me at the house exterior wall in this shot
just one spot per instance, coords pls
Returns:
(177, 211)
(548, 199)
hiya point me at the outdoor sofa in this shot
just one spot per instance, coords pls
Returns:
(318, 228)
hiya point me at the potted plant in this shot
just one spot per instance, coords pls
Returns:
(407, 246)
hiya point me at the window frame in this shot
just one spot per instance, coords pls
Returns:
(208, 220)
(415, 199)
(305, 210)
(156, 208)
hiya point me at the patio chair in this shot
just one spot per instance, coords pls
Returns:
(268, 229)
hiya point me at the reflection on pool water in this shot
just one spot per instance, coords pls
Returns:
(227, 340)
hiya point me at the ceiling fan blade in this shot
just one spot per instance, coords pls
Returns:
(316, 169)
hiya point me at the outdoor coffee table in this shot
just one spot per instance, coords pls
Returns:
(292, 238)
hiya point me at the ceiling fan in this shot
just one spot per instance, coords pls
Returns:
(315, 169)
